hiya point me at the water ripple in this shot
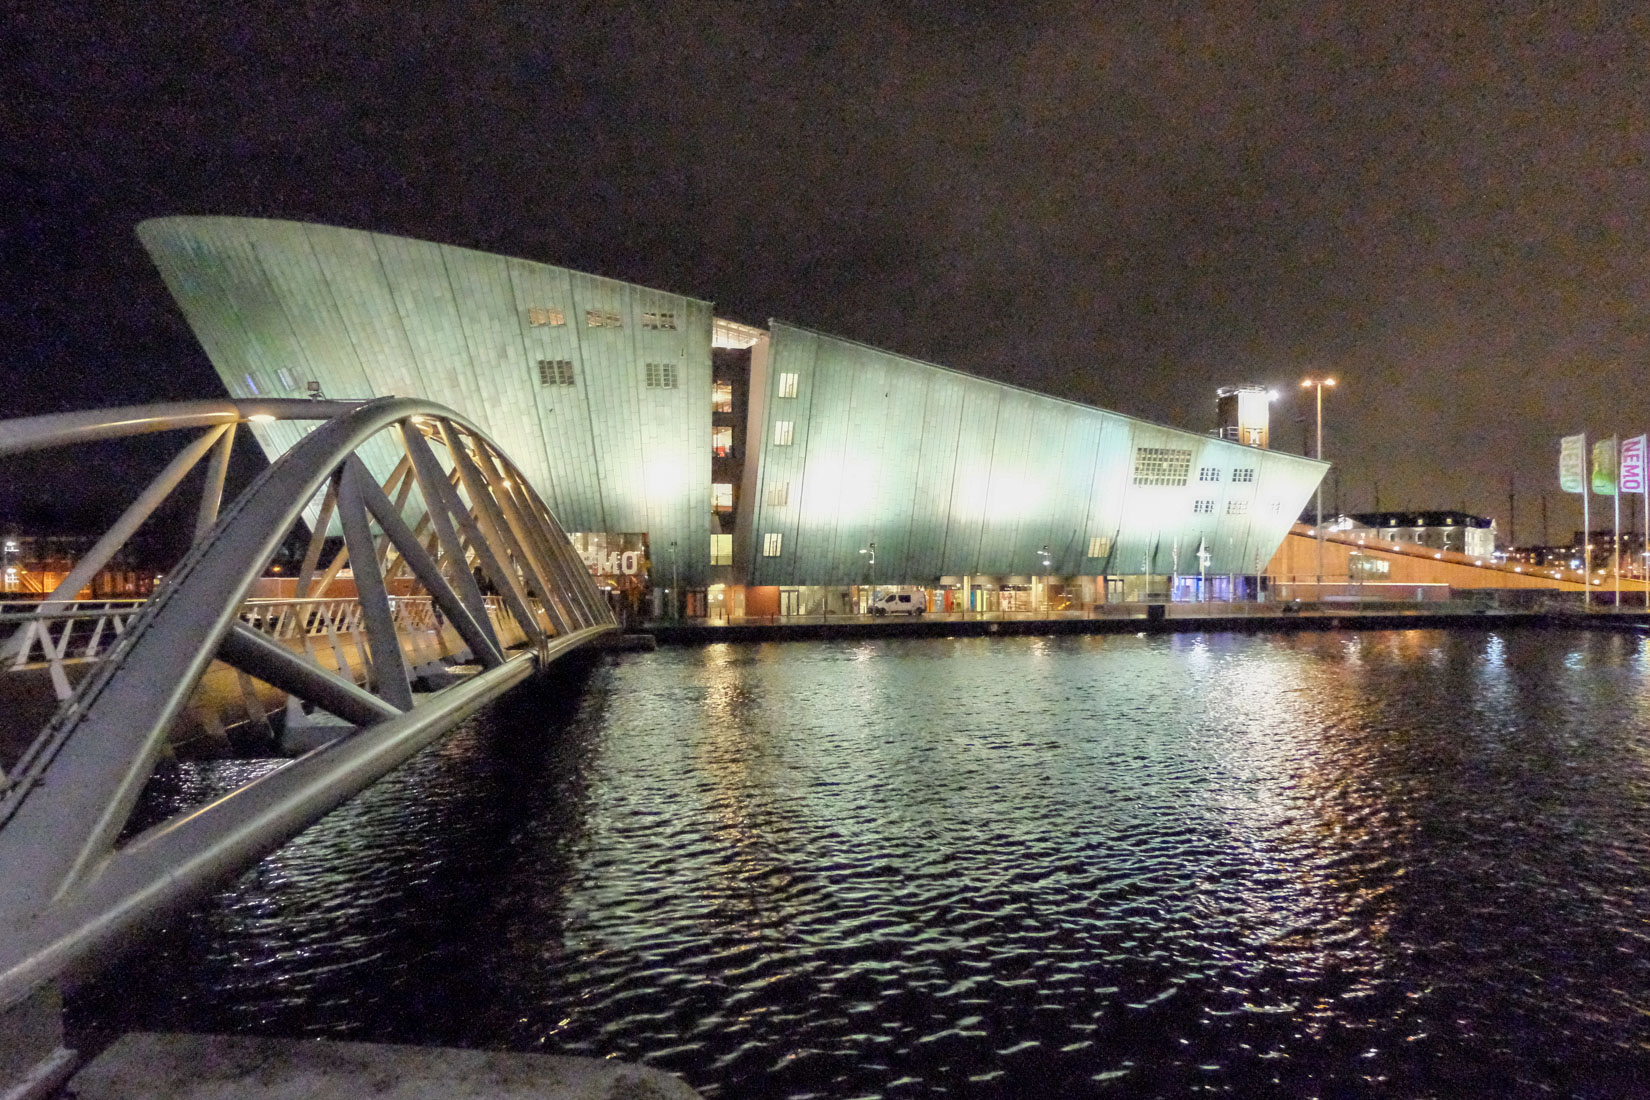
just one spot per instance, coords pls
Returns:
(1407, 863)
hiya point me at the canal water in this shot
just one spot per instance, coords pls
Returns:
(1323, 864)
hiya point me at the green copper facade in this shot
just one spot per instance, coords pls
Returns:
(553, 364)
(951, 475)
(601, 392)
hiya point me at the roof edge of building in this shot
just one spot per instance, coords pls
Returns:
(188, 219)
(773, 322)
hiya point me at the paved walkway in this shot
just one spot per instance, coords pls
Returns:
(212, 1067)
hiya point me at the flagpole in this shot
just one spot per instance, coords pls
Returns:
(1615, 534)
(1586, 525)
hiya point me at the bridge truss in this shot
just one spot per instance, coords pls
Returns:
(455, 562)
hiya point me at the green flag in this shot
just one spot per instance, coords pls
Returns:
(1604, 467)
(1572, 463)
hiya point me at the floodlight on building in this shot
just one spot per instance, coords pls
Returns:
(261, 418)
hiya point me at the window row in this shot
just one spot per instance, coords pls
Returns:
(1244, 474)
(559, 372)
(1233, 507)
(555, 372)
(548, 317)
(1165, 466)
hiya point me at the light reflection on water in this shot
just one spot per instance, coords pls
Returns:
(1398, 863)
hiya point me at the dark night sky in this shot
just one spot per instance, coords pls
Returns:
(1444, 205)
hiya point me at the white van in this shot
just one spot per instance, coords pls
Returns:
(900, 603)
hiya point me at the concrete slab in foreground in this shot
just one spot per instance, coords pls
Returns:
(217, 1067)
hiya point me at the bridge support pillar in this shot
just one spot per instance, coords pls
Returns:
(33, 1059)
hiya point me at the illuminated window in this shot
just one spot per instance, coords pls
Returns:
(542, 318)
(658, 320)
(782, 433)
(1203, 507)
(770, 544)
(661, 376)
(779, 495)
(1237, 507)
(721, 441)
(602, 318)
(721, 496)
(252, 385)
(1099, 546)
(1246, 473)
(721, 397)
(787, 385)
(1208, 473)
(1161, 466)
(555, 372)
(721, 549)
(286, 378)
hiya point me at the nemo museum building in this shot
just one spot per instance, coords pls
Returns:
(717, 469)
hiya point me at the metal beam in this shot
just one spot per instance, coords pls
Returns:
(262, 656)
(481, 643)
(212, 491)
(430, 482)
(493, 522)
(509, 585)
(108, 738)
(130, 520)
(389, 666)
(181, 860)
(69, 893)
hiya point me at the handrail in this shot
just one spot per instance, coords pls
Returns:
(69, 890)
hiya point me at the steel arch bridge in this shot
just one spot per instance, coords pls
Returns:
(455, 561)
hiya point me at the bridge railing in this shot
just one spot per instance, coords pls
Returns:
(408, 496)
(83, 631)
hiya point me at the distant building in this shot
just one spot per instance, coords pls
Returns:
(32, 565)
(1459, 531)
(1632, 550)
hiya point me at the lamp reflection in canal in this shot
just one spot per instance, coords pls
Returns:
(1311, 829)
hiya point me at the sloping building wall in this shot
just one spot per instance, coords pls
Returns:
(610, 444)
(951, 475)
(601, 393)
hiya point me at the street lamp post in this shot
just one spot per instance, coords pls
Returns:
(871, 550)
(1318, 384)
(676, 583)
(1048, 566)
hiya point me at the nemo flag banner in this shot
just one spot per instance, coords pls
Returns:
(1572, 463)
(1632, 465)
(1604, 467)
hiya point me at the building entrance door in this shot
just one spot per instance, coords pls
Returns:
(790, 601)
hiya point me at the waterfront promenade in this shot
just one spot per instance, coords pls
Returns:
(1178, 618)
